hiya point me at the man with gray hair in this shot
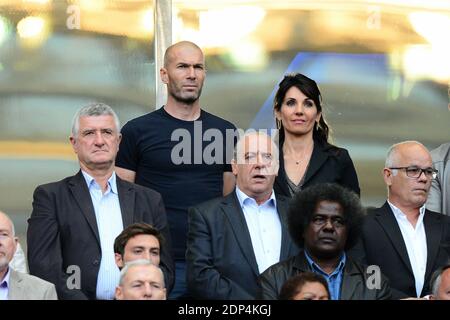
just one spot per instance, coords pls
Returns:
(407, 241)
(74, 221)
(141, 280)
(233, 239)
(440, 283)
(15, 285)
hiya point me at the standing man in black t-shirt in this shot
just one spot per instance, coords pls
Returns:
(179, 150)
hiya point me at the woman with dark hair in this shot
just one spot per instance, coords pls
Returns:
(306, 156)
(305, 286)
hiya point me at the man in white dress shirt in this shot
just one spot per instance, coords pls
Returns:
(233, 239)
(407, 241)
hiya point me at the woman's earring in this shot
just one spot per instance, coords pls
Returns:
(278, 123)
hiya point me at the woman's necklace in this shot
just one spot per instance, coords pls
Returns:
(298, 161)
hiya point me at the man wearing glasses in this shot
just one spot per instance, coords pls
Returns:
(407, 241)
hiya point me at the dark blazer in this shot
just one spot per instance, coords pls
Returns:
(62, 231)
(382, 244)
(328, 164)
(220, 260)
(354, 281)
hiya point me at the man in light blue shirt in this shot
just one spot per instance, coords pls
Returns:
(233, 239)
(75, 221)
(334, 279)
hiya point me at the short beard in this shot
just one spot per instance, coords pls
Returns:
(189, 100)
(3, 263)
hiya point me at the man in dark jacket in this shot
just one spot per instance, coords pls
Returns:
(405, 239)
(75, 221)
(325, 220)
(233, 239)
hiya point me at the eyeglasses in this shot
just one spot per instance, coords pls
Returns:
(415, 172)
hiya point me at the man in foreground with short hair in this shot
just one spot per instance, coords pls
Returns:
(440, 284)
(141, 280)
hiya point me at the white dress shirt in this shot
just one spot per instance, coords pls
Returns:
(264, 226)
(109, 222)
(416, 244)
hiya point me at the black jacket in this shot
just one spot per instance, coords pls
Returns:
(220, 260)
(328, 164)
(354, 281)
(382, 244)
(63, 232)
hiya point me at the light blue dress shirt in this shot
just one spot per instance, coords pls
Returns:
(4, 287)
(264, 225)
(110, 224)
(334, 279)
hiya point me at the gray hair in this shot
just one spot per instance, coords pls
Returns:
(392, 154)
(139, 262)
(13, 230)
(93, 110)
(260, 132)
(436, 279)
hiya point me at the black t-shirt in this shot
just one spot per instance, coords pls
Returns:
(182, 160)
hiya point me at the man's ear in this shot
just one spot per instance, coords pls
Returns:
(119, 260)
(118, 294)
(163, 75)
(387, 176)
(73, 142)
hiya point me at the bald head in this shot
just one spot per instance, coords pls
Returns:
(5, 221)
(8, 243)
(173, 50)
(406, 190)
(396, 151)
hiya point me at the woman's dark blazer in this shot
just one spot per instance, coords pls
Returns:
(328, 164)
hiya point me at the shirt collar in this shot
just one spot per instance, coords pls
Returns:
(244, 199)
(399, 214)
(5, 282)
(314, 266)
(112, 182)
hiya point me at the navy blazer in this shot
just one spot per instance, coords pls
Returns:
(221, 263)
(62, 231)
(328, 163)
(382, 244)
